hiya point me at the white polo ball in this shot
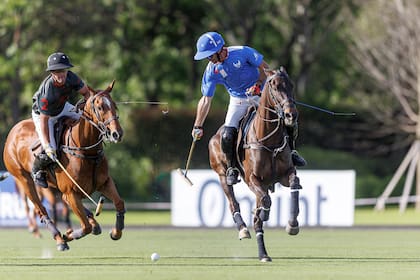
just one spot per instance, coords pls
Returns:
(155, 257)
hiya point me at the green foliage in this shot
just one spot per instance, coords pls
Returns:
(148, 47)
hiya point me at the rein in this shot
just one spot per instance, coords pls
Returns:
(100, 126)
(278, 110)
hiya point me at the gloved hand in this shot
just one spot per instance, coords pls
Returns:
(51, 152)
(254, 90)
(197, 132)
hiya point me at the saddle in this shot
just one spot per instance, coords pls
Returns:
(244, 125)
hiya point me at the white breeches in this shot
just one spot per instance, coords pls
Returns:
(68, 111)
(238, 108)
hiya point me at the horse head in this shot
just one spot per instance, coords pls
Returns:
(280, 93)
(103, 112)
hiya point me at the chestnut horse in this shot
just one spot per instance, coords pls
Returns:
(82, 155)
(264, 157)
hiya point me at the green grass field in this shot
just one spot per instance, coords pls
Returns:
(321, 253)
(363, 216)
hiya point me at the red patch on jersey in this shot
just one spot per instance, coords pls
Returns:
(44, 102)
(216, 71)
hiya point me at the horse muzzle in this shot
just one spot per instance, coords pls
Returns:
(290, 118)
(114, 136)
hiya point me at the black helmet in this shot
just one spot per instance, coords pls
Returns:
(58, 61)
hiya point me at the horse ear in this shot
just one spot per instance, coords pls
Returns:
(111, 86)
(269, 72)
(283, 69)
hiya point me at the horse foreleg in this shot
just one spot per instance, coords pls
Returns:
(76, 205)
(109, 190)
(263, 203)
(292, 227)
(96, 228)
(243, 232)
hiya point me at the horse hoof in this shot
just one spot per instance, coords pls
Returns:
(244, 234)
(63, 247)
(292, 230)
(115, 235)
(265, 259)
(96, 230)
(67, 237)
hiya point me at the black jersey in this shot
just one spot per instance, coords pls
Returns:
(50, 99)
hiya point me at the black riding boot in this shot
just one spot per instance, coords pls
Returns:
(39, 174)
(228, 147)
(296, 158)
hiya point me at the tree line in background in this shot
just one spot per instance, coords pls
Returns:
(148, 45)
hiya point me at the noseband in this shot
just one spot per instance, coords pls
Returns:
(101, 125)
(276, 106)
(279, 104)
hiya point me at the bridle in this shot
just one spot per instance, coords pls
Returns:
(100, 125)
(277, 104)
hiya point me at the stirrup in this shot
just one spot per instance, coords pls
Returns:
(232, 174)
(297, 159)
(40, 178)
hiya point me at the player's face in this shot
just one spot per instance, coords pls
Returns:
(218, 57)
(59, 76)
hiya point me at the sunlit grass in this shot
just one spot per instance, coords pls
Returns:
(363, 216)
(209, 254)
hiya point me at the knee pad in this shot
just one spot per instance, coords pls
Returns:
(228, 138)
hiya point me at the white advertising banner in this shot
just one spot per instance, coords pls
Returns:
(12, 210)
(327, 199)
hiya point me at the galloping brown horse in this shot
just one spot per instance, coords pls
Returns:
(82, 155)
(264, 157)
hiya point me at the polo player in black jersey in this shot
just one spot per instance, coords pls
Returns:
(50, 103)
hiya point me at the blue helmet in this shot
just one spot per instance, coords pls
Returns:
(208, 44)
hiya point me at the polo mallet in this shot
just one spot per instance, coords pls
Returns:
(99, 205)
(184, 174)
(325, 110)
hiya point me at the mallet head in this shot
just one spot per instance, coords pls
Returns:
(184, 175)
